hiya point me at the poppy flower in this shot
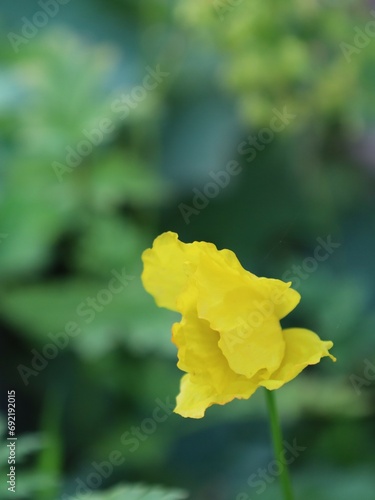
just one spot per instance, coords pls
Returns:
(229, 339)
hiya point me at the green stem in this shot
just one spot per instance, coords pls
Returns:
(277, 439)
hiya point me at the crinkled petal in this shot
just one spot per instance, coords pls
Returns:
(196, 396)
(303, 348)
(169, 265)
(246, 311)
(283, 298)
(213, 282)
(250, 331)
(198, 350)
(199, 354)
(209, 372)
(254, 342)
(214, 278)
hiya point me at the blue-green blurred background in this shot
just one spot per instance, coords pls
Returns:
(64, 231)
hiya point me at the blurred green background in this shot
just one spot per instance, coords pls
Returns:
(114, 115)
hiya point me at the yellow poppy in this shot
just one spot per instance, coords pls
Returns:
(229, 340)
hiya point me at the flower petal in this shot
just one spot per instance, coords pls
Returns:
(279, 293)
(303, 348)
(169, 265)
(245, 310)
(253, 342)
(198, 350)
(196, 396)
(214, 278)
(250, 331)
(199, 354)
(211, 377)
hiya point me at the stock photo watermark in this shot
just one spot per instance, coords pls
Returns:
(223, 7)
(201, 199)
(362, 38)
(87, 309)
(259, 480)
(248, 148)
(366, 379)
(122, 106)
(309, 265)
(31, 26)
(255, 143)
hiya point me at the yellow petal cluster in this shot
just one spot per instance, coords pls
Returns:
(229, 340)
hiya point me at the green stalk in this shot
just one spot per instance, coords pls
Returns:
(277, 439)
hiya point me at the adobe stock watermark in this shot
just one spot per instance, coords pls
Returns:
(248, 148)
(87, 309)
(362, 38)
(131, 440)
(30, 27)
(223, 7)
(201, 199)
(122, 107)
(259, 480)
(322, 252)
(262, 310)
(366, 379)
(256, 143)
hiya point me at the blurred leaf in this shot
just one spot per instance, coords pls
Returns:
(287, 55)
(333, 396)
(328, 483)
(29, 482)
(140, 492)
(130, 317)
(125, 181)
(109, 242)
(27, 444)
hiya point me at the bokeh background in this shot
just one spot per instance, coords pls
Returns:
(66, 229)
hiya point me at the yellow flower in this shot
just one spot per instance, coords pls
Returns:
(229, 339)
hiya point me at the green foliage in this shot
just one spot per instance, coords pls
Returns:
(124, 321)
(65, 230)
(30, 480)
(286, 54)
(99, 213)
(140, 492)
